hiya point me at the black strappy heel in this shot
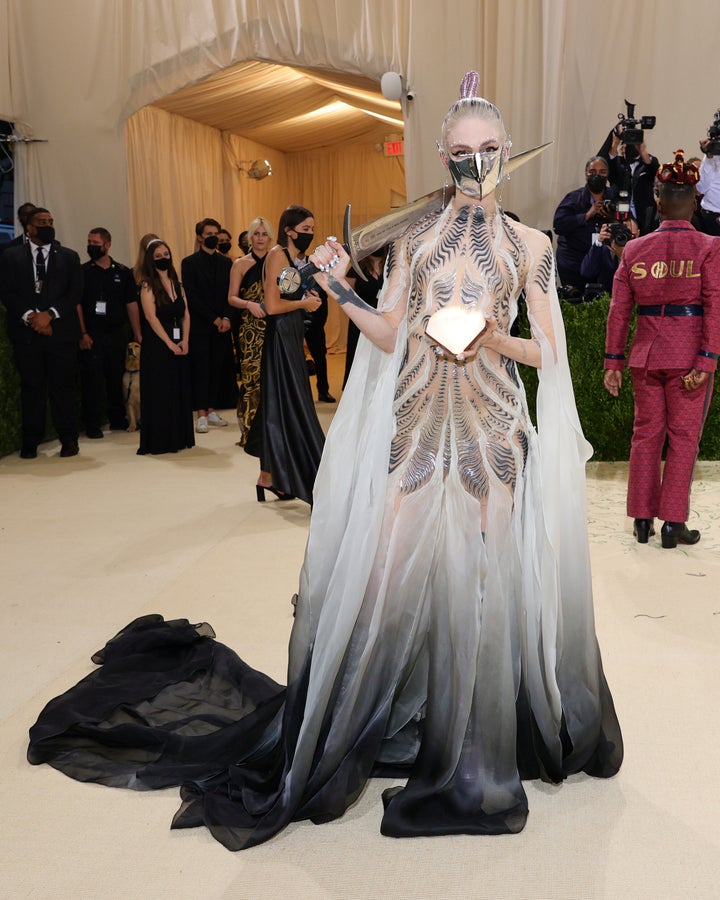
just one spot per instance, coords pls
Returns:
(281, 495)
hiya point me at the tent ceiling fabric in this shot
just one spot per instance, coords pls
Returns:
(293, 110)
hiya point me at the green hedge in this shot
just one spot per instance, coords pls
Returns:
(10, 420)
(10, 434)
(607, 421)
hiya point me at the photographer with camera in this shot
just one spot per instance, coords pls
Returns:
(602, 259)
(579, 216)
(709, 184)
(632, 168)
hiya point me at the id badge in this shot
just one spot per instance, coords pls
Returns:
(176, 334)
(100, 307)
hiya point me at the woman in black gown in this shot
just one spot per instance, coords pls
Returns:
(286, 433)
(165, 400)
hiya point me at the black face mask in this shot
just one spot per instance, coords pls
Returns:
(95, 252)
(211, 241)
(302, 241)
(596, 183)
(45, 233)
(631, 153)
(163, 264)
(224, 246)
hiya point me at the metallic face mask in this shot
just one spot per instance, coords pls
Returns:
(477, 174)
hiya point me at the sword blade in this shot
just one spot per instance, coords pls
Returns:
(524, 156)
(362, 240)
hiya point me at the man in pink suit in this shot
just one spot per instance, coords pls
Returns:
(673, 276)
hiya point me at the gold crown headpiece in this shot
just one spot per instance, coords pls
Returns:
(679, 172)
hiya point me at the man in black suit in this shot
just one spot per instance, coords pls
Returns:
(23, 215)
(206, 281)
(41, 285)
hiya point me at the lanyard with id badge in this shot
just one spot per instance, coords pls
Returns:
(176, 334)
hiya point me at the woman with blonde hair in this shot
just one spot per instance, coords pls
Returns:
(246, 295)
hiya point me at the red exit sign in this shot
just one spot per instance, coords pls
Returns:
(394, 148)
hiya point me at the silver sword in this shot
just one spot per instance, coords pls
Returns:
(363, 240)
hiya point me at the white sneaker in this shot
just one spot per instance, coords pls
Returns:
(215, 419)
(201, 426)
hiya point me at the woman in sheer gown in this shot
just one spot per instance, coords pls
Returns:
(444, 633)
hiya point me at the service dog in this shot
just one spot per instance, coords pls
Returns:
(131, 385)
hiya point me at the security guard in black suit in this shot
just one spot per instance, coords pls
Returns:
(41, 286)
(109, 304)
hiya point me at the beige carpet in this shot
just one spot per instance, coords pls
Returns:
(89, 543)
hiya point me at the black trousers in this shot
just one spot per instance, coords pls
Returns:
(571, 277)
(48, 370)
(101, 373)
(315, 340)
(213, 378)
(710, 221)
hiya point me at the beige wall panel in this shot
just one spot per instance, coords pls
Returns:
(86, 67)
(558, 69)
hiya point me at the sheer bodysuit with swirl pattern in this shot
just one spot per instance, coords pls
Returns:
(470, 416)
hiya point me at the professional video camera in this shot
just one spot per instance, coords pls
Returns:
(620, 207)
(632, 128)
(713, 147)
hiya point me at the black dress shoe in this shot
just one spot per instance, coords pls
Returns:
(69, 448)
(326, 398)
(643, 529)
(674, 533)
(28, 452)
(94, 433)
